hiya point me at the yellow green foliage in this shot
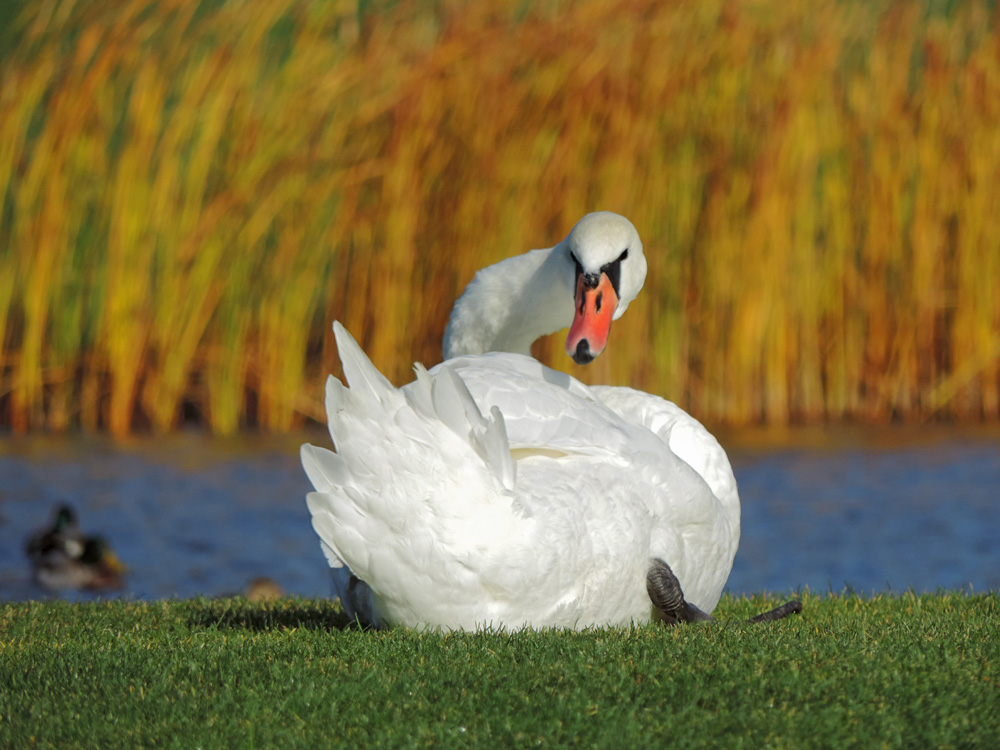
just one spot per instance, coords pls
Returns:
(191, 192)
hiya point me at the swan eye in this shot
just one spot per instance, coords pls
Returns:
(613, 265)
(613, 270)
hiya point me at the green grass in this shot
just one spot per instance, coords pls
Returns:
(919, 671)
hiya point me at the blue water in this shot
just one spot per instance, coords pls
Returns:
(921, 518)
(191, 516)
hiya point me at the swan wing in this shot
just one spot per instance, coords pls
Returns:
(673, 472)
(411, 502)
(688, 439)
(544, 409)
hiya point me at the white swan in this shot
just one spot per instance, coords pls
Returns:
(494, 491)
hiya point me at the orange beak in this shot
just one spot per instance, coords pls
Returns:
(595, 307)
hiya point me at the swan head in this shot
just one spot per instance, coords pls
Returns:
(609, 269)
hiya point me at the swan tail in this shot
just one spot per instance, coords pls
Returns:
(364, 379)
(496, 450)
(419, 478)
(419, 394)
(329, 475)
(454, 405)
(320, 521)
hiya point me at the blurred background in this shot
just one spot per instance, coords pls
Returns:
(190, 192)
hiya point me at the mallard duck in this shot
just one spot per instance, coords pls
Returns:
(62, 557)
(63, 534)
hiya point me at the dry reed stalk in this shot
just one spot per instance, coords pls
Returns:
(189, 193)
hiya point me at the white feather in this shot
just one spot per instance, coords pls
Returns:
(362, 376)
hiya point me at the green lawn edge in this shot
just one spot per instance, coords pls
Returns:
(907, 670)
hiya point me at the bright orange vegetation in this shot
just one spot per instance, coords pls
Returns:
(190, 195)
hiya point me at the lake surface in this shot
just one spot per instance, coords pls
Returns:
(190, 515)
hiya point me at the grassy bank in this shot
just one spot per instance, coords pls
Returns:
(915, 671)
(190, 193)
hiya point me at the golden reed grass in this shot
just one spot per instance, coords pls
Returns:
(190, 193)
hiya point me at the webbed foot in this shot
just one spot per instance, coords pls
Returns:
(792, 607)
(665, 592)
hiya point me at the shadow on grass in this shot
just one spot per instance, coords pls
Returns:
(238, 613)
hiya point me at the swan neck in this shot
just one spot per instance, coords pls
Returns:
(508, 305)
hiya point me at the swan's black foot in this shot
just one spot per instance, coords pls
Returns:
(665, 592)
(792, 607)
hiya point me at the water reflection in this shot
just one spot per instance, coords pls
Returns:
(193, 516)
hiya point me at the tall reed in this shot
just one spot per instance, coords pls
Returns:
(191, 192)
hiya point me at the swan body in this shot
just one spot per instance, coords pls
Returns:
(494, 491)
